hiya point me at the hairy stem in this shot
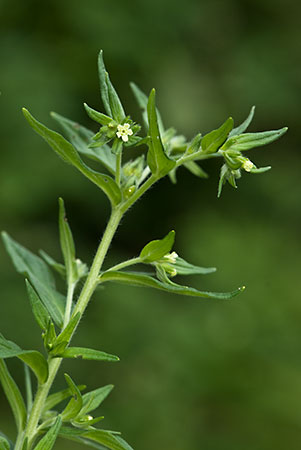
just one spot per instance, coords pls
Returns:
(129, 262)
(118, 168)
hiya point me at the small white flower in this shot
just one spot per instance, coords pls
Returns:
(124, 131)
(171, 257)
(248, 165)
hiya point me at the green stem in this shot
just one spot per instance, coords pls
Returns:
(85, 295)
(127, 263)
(118, 168)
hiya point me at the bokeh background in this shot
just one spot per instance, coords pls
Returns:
(193, 374)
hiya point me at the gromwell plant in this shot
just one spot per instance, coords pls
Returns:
(40, 419)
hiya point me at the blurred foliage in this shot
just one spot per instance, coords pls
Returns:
(192, 374)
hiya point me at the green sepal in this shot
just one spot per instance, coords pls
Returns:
(4, 444)
(39, 311)
(97, 116)
(247, 141)
(195, 169)
(244, 125)
(75, 403)
(49, 336)
(135, 279)
(80, 137)
(70, 155)
(157, 160)
(13, 395)
(103, 437)
(194, 145)
(34, 359)
(58, 397)
(67, 245)
(260, 169)
(155, 250)
(65, 336)
(185, 268)
(222, 179)
(86, 353)
(213, 140)
(47, 442)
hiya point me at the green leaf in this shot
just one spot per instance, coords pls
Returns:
(58, 397)
(48, 441)
(65, 336)
(35, 360)
(67, 244)
(13, 395)
(40, 276)
(222, 179)
(194, 145)
(195, 169)
(97, 116)
(157, 160)
(75, 404)
(106, 438)
(69, 154)
(80, 137)
(135, 279)
(86, 353)
(184, 268)
(93, 399)
(4, 444)
(58, 267)
(213, 140)
(247, 141)
(260, 169)
(142, 101)
(39, 311)
(156, 249)
(243, 126)
(103, 84)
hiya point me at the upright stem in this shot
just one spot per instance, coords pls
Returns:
(81, 305)
(118, 168)
(70, 292)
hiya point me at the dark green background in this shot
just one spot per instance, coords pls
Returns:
(193, 374)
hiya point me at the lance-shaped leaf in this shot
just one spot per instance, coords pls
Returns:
(86, 353)
(47, 442)
(75, 404)
(97, 116)
(58, 397)
(243, 126)
(213, 140)
(69, 154)
(80, 137)
(67, 244)
(135, 279)
(106, 438)
(185, 268)
(109, 96)
(13, 395)
(64, 337)
(195, 169)
(157, 160)
(39, 311)
(40, 276)
(58, 267)
(142, 101)
(4, 444)
(156, 249)
(35, 360)
(93, 399)
(247, 141)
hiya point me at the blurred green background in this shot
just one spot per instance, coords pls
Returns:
(193, 374)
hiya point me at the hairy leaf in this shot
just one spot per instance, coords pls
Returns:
(67, 244)
(48, 441)
(247, 141)
(243, 126)
(39, 311)
(156, 249)
(34, 359)
(93, 399)
(213, 140)
(86, 353)
(135, 279)
(69, 154)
